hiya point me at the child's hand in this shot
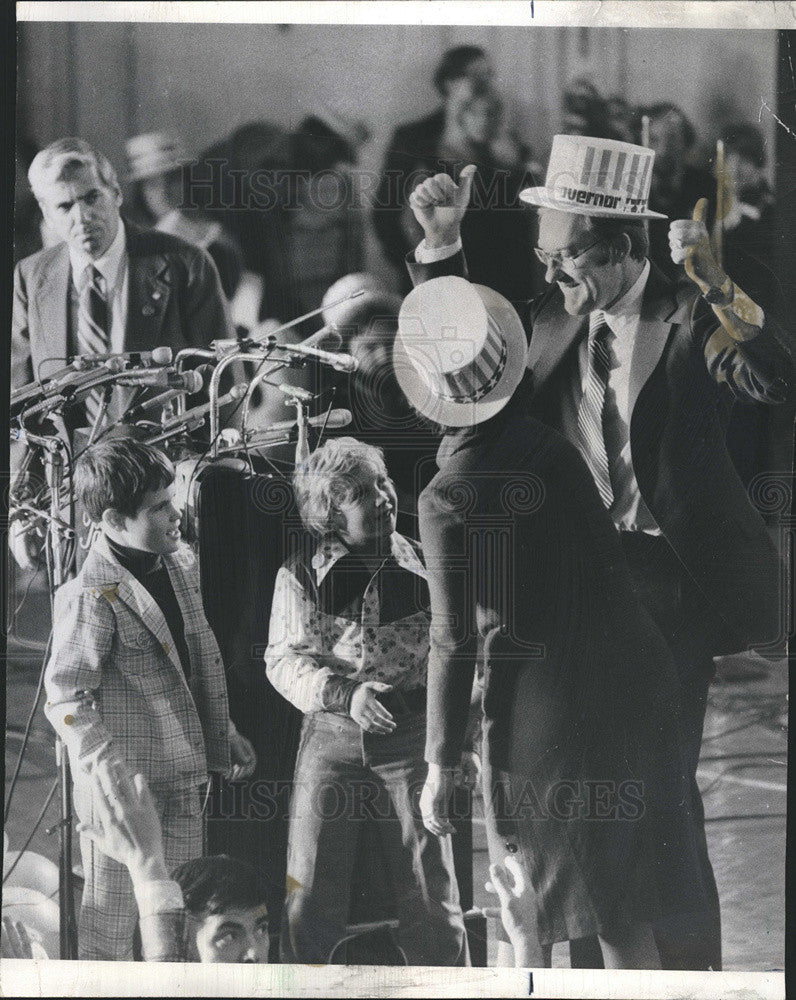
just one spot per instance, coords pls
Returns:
(127, 826)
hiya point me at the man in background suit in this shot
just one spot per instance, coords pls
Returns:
(461, 71)
(107, 286)
(662, 375)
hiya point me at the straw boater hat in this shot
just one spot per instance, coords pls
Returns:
(460, 351)
(153, 154)
(602, 177)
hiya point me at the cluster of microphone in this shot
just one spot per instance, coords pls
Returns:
(84, 374)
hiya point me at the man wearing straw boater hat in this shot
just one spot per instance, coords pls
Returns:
(580, 689)
(640, 374)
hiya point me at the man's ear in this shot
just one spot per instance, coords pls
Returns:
(112, 518)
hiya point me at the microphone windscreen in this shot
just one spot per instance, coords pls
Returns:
(162, 355)
(337, 418)
(194, 382)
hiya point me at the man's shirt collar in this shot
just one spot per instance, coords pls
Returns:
(628, 308)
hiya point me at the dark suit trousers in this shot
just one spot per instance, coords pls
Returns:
(690, 941)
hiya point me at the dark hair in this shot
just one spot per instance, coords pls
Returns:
(454, 64)
(317, 147)
(747, 141)
(117, 473)
(666, 108)
(634, 229)
(218, 883)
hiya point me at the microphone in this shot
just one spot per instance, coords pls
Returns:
(136, 359)
(195, 384)
(157, 376)
(337, 419)
(295, 392)
(307, 350)
(60, 389)
(198, 413)
(327, 338)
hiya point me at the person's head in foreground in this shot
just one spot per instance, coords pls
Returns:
(226, 901)
(127, 487)
(344, 489)
(79, 195)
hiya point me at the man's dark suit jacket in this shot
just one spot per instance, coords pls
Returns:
(175, 300)
(412, 143)
(580, 686)
(684, 372)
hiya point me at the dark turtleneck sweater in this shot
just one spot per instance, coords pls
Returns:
(151, 573)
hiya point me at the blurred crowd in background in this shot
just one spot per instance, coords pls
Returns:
(282, 213)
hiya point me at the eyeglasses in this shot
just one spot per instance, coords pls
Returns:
(562, 256)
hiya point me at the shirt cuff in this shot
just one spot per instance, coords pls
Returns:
(431, 255)
(336, 694)
(158, 897)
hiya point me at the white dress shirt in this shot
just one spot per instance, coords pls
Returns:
(113, 266)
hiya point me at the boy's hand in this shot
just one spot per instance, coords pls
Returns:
(366, 709)
(244, 759)
(127, 826)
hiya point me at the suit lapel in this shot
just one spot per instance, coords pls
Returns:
(554, 333)
(52, 298)
(101, 570)
(658, 317)
(149, 291)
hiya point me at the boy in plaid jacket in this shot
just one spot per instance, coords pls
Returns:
(135, 675)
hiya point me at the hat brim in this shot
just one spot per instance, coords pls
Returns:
(450, 414)
(540, 197)
(157, 170)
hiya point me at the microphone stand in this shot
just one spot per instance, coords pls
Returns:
(100, 417)
(53, 449)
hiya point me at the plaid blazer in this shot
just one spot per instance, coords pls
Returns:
(114, 681)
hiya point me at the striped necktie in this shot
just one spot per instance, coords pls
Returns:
(92, 327)
(590, 413)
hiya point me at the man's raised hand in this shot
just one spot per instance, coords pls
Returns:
(439, 204)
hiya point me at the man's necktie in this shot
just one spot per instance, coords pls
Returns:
(92, 327)
(590, 414)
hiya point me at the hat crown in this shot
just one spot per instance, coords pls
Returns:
(457, 339)
(594, 176)
(154, 153)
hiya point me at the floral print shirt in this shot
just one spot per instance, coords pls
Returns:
(334, 624)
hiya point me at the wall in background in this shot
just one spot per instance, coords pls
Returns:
(108, 81)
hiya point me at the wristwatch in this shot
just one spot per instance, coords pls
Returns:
(720, 295)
